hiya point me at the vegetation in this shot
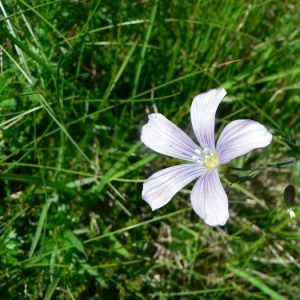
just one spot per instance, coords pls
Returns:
(78, 79)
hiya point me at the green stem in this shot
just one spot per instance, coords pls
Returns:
(285, 163)
(247, 169)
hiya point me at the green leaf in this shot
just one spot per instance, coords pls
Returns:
(4, 83)
(75, 242)
(8, 102)
(81, 182)
(26, 50)
(39, 180)
(12, 219)
(51, 288)
(135, 166)
(287, 162)
(41, 223)
(70, 293)
(117, 165)
(144, 48)
(258, 283)
(119, 73)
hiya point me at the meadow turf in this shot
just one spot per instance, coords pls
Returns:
(78, 80)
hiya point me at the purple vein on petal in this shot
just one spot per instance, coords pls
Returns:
(240, 137)
(163, 185)
(209, 199)
(203, 111)
(164, 137)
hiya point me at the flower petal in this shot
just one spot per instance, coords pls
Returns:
(239, 137)
(163, 185)
(203, 112)
(162, 136)
(209, 199)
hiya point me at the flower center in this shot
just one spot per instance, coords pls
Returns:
(207, 158)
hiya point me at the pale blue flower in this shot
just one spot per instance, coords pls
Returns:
(208, 197)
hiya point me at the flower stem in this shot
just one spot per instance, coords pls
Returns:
(289, 162)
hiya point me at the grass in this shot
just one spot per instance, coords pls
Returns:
(78, 79)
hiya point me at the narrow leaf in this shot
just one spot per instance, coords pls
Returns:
(4, 83)
(134, 166)
(258, 283)
(26, 50)
(75, 242)
(110, 173)
(51, 288)
(41, 223)
(39, 180)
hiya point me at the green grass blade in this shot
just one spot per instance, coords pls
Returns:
(144, 48)
(70, 293)
(60, 187)
(155, 219)
(17, 65)
(51, 288)
(24, 48)
(75, 242)
(120, 71)
(257, 282)
(8, 223)
(41, 222)
(4, 82)
(134, 166)
(116, 166)
(46, 21)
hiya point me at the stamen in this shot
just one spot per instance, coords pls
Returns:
(206, 158)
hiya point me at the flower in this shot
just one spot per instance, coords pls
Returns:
(208, 197)
(291, 213)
